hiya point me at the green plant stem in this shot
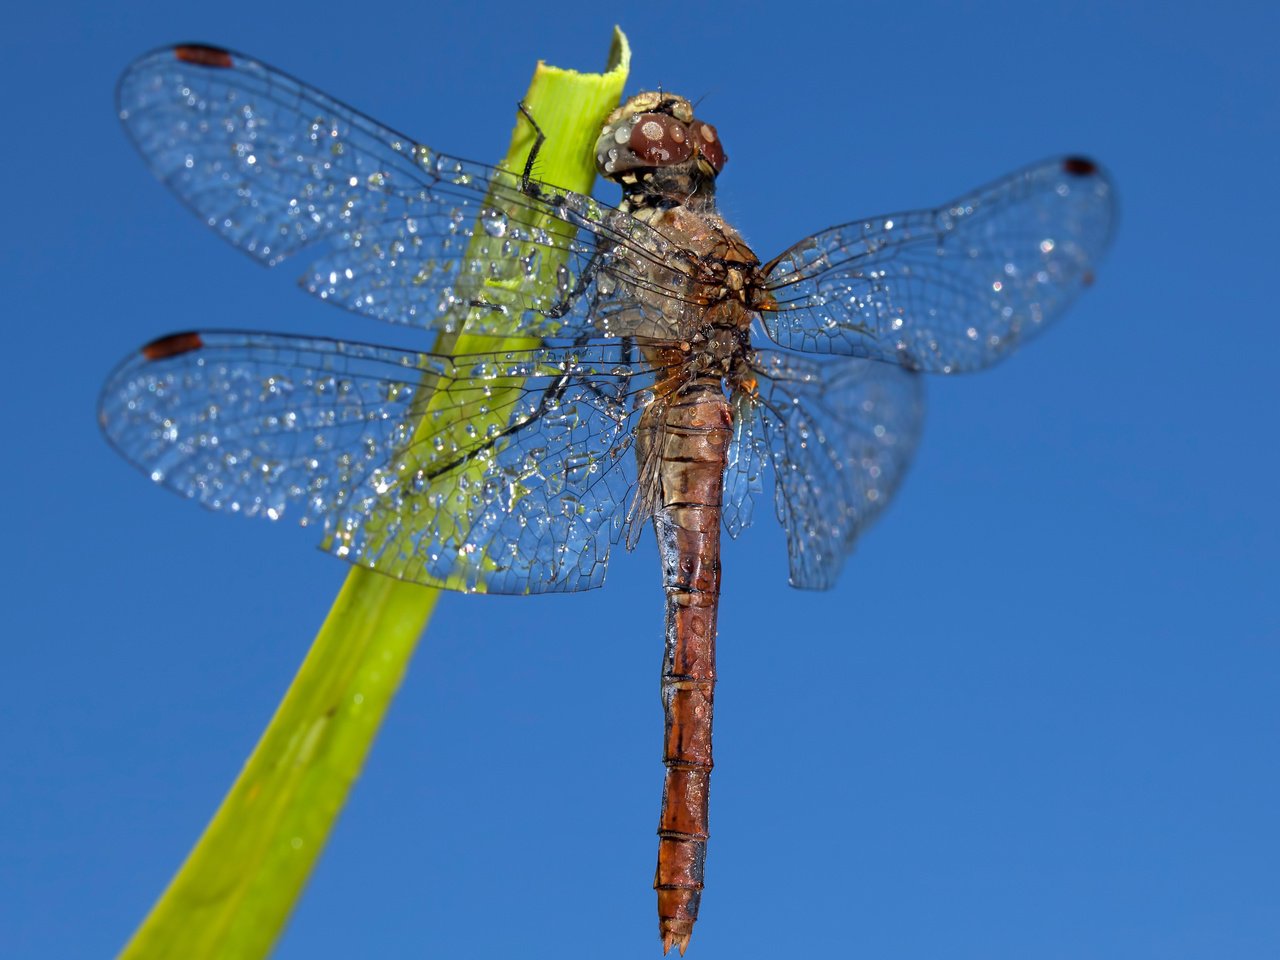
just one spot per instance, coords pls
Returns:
(233, 895)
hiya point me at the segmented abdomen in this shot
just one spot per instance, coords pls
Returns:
(696, 428)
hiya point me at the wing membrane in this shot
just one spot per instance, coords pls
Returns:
(502, 473)
(839, 434)
(383, 225)
(950, 289)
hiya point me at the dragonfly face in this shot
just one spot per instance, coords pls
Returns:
(654, 143)
(643, 397)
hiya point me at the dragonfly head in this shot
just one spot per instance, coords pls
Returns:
(653, 143)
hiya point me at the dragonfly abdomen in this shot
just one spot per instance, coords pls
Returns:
(696, 428)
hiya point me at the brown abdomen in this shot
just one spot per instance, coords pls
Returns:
(696, 428)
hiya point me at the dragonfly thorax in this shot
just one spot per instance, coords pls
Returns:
(722, 345)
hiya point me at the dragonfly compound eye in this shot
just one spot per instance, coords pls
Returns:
(709, 145)
(645, 140)
(659, 140)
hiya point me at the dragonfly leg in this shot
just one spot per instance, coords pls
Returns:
(526, 178)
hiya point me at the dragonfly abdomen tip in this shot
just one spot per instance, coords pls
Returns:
(676, 933)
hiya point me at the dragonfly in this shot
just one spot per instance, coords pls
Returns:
(639, 364)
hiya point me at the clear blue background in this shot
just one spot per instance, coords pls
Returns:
(1037, 719)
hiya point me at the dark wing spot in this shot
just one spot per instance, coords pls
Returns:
(203, 55)
(1079, 166)
(172, 345)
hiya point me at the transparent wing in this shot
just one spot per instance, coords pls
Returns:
(502, 473)
(950, 289)
(381, 224)
(839, 434)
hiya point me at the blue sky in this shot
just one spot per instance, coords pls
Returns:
(1037, 718)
